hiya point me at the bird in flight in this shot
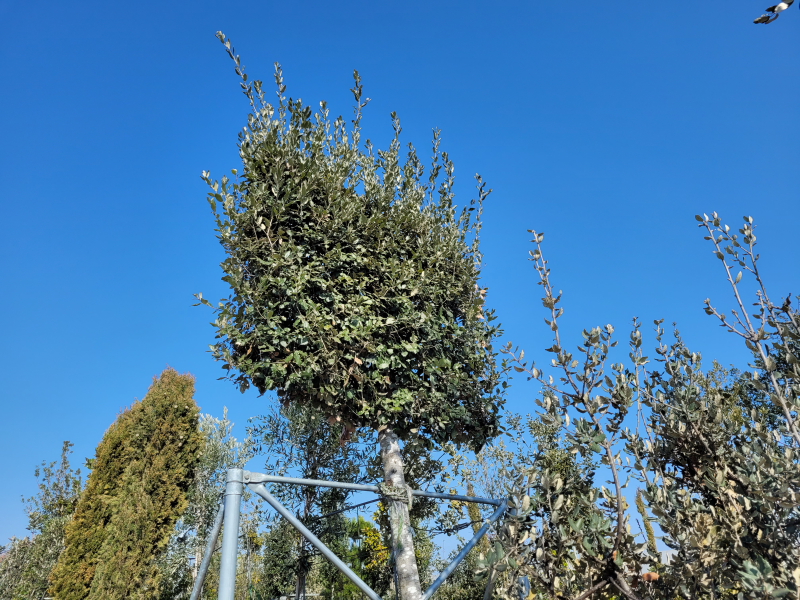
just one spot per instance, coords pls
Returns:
(773, 12)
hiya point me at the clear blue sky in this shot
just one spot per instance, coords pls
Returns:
(606, 125)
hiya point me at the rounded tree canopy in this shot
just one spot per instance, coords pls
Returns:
(355, 280)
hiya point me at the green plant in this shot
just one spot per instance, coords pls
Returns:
(355, 285)
(220, 451)
(298, 441)
(136, 492)
(716, 453)
(26, 564)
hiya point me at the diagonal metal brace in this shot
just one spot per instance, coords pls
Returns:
(256, 481)
(259, 489)
(210, 545)
(465, 550)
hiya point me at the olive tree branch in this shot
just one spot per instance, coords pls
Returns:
(752, 335)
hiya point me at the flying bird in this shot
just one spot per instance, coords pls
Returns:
(780, 7)
(773, 12)
(766, 19)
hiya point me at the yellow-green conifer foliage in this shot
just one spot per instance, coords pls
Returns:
(135, 494)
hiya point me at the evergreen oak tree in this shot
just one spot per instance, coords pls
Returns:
(355, 286)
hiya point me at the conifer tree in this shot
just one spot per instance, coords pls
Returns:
(135, 493)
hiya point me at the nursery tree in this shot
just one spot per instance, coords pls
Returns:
(135, 494)
(716, 453)
(300, 442)
(355, 286)
(529, 448)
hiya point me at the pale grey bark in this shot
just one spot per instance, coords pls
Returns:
(405, 563)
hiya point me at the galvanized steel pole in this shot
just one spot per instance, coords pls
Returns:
(230, 538)
(210, 545)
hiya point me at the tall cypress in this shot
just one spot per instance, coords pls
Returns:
(135, 494)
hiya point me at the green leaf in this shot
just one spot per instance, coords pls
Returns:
(587, 545)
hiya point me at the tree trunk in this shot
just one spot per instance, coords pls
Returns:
(405, 562)
(300, 588)
(304, 564)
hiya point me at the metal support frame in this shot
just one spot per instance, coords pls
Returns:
(210, 545)
(465, 550)
(234, 489)
(229, 512)
(315, 541)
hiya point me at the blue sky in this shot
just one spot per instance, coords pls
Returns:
(606, 125)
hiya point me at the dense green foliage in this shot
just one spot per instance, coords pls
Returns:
(135, 494)
(361, 546)
(725, 488)
(354, 278)
(280, 564)
(26, 564)
(357, 541)
(717, 454)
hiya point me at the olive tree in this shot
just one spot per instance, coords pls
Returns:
(716, 454)
(300, 442)
(355, 286)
